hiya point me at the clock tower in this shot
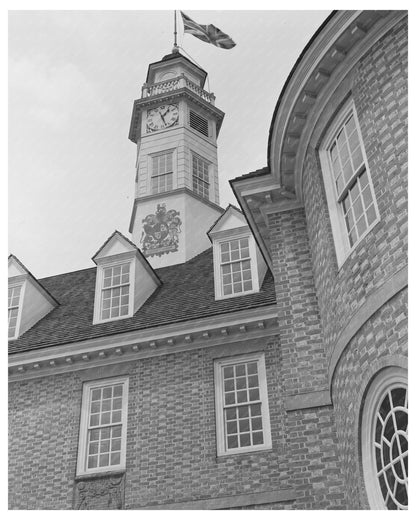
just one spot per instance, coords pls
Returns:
(175, 125)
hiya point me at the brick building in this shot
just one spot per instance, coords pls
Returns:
(260, 364)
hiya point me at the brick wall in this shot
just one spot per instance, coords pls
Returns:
(43, 440)
(379, 92)
(383, 337)
(303, 354)
(171, 440)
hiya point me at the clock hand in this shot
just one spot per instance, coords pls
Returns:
(163, 119)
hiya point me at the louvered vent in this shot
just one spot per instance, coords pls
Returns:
(198, 123)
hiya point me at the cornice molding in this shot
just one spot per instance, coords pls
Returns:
(168, 194)
(287, 122)
(328, 90)
(158, 341)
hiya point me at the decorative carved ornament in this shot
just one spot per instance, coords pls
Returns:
(100, 492)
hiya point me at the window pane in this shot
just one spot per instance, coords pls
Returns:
(242, 420)
(200, 177)
(104, 440)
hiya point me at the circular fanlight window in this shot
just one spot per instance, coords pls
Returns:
(385, 440)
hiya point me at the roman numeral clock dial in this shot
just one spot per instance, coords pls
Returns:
(162, 117)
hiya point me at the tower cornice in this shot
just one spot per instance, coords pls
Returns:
(184, 92)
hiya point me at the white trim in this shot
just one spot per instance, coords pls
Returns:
(99, 288)
(22, 284)
(219, 294)
(211, 186)
(219, 407)
(385, 380)
(337, 218)
(150, 156)
(83, 430)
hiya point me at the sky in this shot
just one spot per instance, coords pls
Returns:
(73, 77)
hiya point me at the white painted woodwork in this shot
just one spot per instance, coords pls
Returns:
(143, 281)
(34, 303)
(196, 213)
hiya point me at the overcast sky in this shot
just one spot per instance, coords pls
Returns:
(73, 77)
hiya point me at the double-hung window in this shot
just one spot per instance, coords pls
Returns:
(102, 442)
(235, 267)
(162, 172)
(242, 409)
(13, 308)
(115, 292)
(348, 182)
(200, 176)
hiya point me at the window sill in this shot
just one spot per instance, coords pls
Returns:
(257, 451)
(228, 296)
(100, 474)
(118, 318)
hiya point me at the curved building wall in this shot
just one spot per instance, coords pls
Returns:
(378, 87)
(381, 342)
(363, 302)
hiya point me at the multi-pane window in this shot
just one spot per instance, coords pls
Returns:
(385, 439)
(200, 176)
(103, 426)
(236, 276)
(242, 408)
(162, 172)
(14, 300)
(115, 291)
(352, 183)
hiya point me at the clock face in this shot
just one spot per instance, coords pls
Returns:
(162, 117)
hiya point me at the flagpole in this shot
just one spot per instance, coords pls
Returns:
(175, 44)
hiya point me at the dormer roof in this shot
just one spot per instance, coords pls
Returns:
(231, 219)
(185, 296)
(17, 269)
(119, 245)
(29, 301)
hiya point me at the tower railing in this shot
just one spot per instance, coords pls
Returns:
(172, 84)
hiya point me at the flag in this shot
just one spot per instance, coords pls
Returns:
(207, 33)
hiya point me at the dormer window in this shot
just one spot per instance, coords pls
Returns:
(239, 267)
(115, 293)
(14, 306)
(28, 300)
(200, 176)
(235, 267)
(124, 279)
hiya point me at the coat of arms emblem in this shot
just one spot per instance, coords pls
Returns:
(161, 232)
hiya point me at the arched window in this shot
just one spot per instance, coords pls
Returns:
(384, 440)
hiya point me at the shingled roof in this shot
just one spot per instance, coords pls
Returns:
(186, 293)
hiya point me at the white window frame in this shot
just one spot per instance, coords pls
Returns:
(219, 290)
(199, 157)
(99, 287)
(219, 364)
(157, 152)
(152, 176)
(385, 380)
(88, 387)
(339, 229)
(22, 286)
